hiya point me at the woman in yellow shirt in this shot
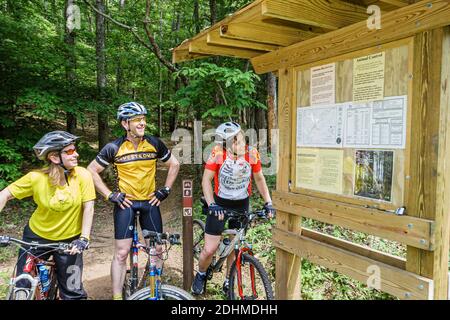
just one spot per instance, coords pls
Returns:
(64, 194)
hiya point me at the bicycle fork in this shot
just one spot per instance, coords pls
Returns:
(239, 253)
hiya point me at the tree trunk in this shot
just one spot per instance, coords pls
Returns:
(197, 17)
(102, 119)
(69, 41)
(271, 105)
(160, 111)
(213, 11)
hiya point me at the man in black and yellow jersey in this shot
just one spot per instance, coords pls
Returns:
(134, 158)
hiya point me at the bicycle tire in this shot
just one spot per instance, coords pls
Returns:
(126, 285)
(53, 291)
(168, 292)
(247, 261)
(198, 231)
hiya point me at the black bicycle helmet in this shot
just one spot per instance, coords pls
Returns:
(53, 141)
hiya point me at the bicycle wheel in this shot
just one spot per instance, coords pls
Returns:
(168, 292)
(198, 227)
(260, 289)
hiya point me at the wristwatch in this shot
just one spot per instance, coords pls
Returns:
(167, 189)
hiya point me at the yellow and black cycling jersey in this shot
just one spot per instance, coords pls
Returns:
(135, 169)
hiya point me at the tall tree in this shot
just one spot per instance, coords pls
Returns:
(102, 117)
(197, 16)
(213, 11)
(69, 40)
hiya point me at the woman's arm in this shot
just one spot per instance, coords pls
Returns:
(88, 216)
(5, 196)
(208, 175)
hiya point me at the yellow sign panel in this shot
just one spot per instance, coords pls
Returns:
(368, 77)
(320, 169)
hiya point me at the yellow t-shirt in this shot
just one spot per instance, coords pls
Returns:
(59, 213)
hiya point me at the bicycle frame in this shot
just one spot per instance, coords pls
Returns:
(151, 276)
(240, 247)
(31, 272)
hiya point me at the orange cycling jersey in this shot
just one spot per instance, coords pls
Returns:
(135, 169)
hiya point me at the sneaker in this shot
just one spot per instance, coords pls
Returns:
(226, 286)
(199, 284)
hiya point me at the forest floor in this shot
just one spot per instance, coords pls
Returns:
(97, 260)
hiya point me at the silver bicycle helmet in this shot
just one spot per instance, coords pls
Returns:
(228, 130)
(53, 141)
(129, 110)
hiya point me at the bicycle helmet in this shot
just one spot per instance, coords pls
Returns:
(53, 141)
(228, 130)
(129, 110)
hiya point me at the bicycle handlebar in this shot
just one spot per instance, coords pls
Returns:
(261, 214)
(160, 238)
(60, 246)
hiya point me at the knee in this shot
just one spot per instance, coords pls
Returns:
(209, 250)
(121, 255)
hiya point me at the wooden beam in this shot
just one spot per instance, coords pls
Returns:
(404, 229)
(214, 38)
(287, 265)
(398, 282)
(396, 3)
(264, 33)
(200, 46)
(328, 14)
(430, 153)
(184, 55)
(355, 248)
(398, 24)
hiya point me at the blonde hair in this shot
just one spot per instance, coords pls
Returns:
(53, 170)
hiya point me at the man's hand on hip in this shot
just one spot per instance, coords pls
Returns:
(159, 195)
(120, 199)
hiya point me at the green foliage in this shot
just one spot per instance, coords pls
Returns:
(10, 161)
(235, 87)
(4, 280)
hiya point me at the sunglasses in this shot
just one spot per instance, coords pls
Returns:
(138, 120)
(70, 151)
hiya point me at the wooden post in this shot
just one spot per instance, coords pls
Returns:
(430, 154)
(188, 257)
(287, 265)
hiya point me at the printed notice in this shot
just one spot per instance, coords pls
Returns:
(323, 88)
(377, 124)
(373, 174)
(357, 130)
(368, 78)
(389, 123)
(320, 169)
(320, 126)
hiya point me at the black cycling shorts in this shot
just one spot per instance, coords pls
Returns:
(214, 226)
(149, 219)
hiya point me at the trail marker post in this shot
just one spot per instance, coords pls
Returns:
(188, 257)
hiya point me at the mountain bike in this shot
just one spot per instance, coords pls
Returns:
(248, 280)
(39, 274)
(149, 286)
